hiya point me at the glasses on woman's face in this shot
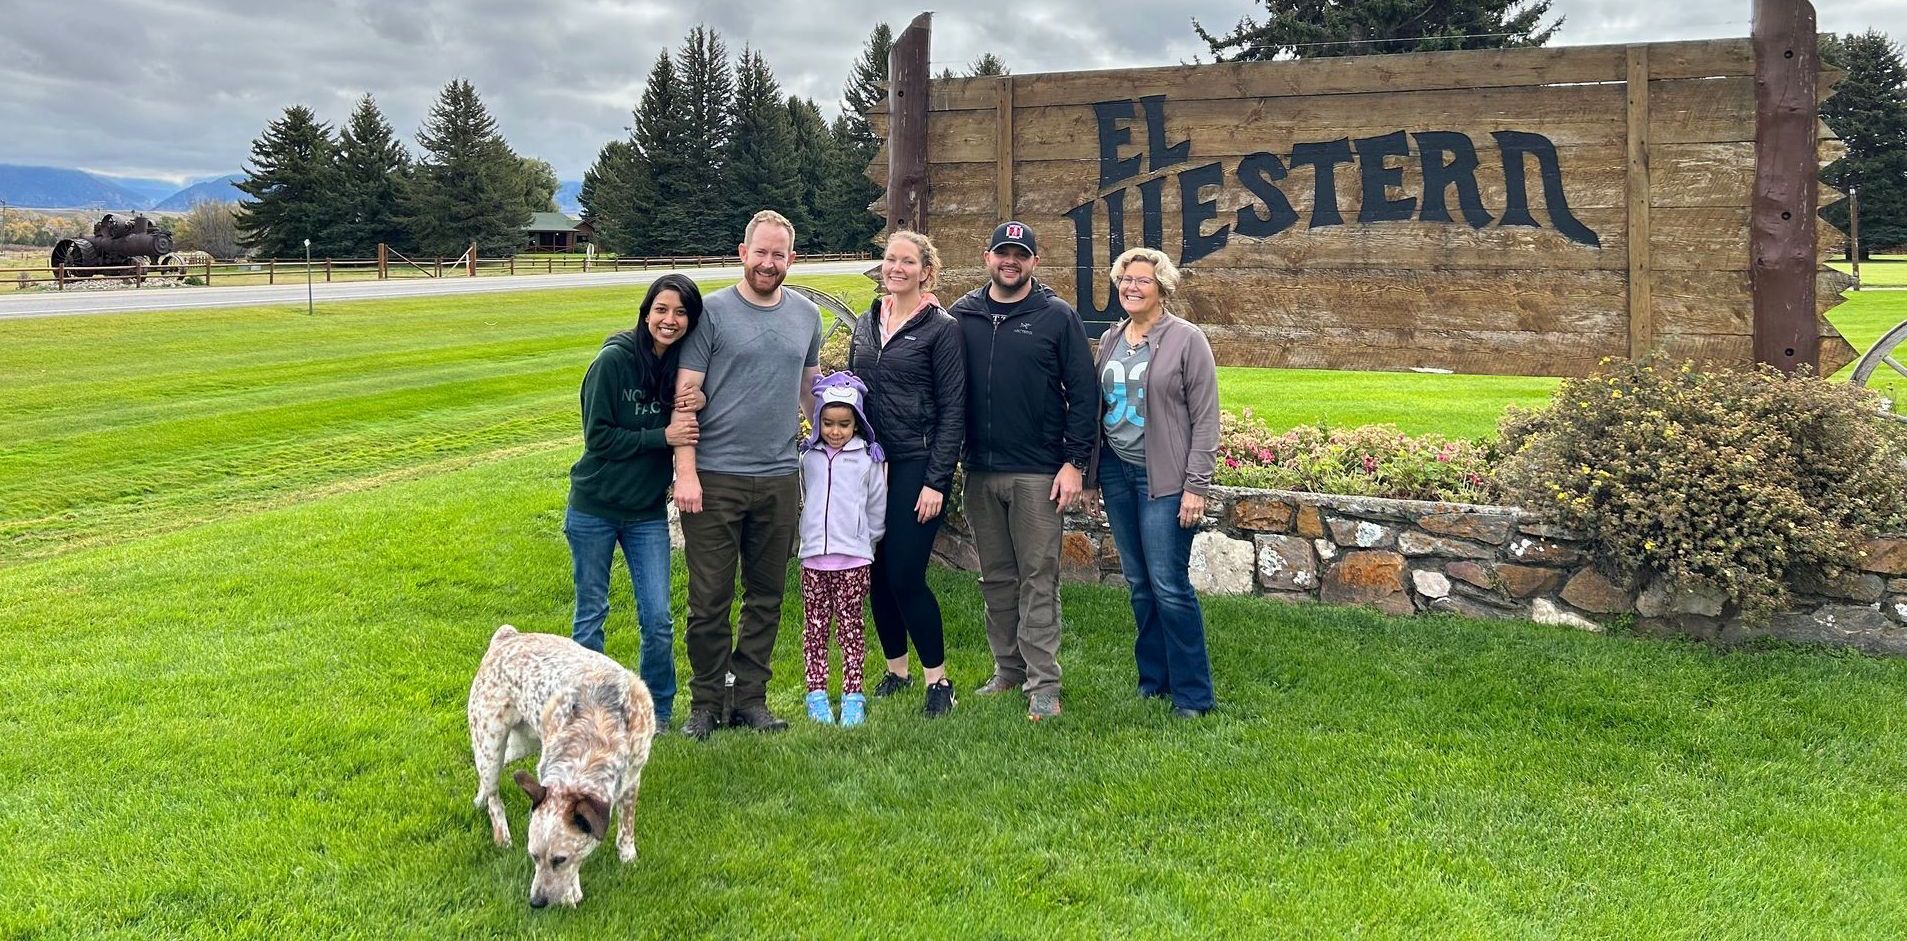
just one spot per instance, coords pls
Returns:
(1136, 281)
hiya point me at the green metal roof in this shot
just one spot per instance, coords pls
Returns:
(550, 222)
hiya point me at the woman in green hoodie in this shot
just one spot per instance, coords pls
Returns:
(619, 488)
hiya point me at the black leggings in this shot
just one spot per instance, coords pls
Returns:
(903, 604)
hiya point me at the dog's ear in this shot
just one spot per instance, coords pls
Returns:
(531, 786)
(591, 815)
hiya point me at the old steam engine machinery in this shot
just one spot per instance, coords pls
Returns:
(135, 246)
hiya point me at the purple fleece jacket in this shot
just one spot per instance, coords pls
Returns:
(844, 501)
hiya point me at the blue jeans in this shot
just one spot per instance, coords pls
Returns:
(1155, 553)
(645, 548)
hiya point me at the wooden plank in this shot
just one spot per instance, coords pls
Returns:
(1641, 310)
(1003, 140)
(908, 73)
(1782, 237)
(1474, 352)
(1680, 239)
(1681, 176)
(1466, 69)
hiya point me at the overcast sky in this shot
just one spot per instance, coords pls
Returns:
(179, 89)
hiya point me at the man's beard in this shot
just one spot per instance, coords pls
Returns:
(755, 279)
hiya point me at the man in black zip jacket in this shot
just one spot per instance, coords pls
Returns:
(1032, 424)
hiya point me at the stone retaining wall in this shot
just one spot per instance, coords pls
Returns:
(1403, 556)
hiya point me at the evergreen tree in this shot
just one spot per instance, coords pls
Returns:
(372, 169)
(987, 64)
(1869, 113)
(707, 105)
(764, 170)
(609, 199)
(845, 222)
(866, 88)
(469, 186)
(658, 208)
(851, 227)
(1320, 28)
(816, 157)
(293, 185)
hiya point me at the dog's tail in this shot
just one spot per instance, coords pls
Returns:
(502, 632)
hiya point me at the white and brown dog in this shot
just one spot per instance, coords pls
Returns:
(594, 721)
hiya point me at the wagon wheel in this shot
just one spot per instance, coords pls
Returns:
(1891, 382)
(843, 314)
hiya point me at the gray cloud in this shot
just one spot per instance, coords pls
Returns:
(162, 88)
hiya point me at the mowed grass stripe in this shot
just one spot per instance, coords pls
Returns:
(260, 730)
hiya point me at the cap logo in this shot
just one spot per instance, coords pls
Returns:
(1015, 231)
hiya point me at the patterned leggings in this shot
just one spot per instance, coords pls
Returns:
(834, 596)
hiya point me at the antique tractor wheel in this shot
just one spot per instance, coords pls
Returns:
(1889, 351)
(838, 308)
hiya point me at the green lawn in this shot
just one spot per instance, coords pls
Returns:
(249, 560)
(1886, 271)
(255, 728)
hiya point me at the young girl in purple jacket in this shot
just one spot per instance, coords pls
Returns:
(843, 514)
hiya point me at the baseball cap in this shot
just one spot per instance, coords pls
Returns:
(1013, 233)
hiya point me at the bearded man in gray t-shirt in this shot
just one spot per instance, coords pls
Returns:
(754, 355)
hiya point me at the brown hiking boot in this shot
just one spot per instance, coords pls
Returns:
(997, 684)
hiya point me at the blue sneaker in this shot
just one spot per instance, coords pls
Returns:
(819, 709)
(853, 709)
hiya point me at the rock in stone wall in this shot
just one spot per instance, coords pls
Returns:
(1405, 556)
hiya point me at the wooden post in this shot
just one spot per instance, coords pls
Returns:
(271, 271)
(59, 276)
(512, 264)
(1641, 315)
(208, 272)
(1854, 232)
(327, 271)
(1003, 151)
(440, 267)
(470, 260)
(907, 75)
(383, 261)
(1781, 234)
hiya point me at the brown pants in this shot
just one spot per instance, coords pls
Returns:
(750, 520)
(1016, 528)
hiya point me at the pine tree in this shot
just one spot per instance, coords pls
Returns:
(372, 168)
(851, 227)
(1869, 113)
(612, 196)
(764, 170)
(470, 185)
(846, 224)
(293, 185)
(707, 104)
(659, 208)
(867, 87)
(1320, 28)
(987, 64)
(816, 157)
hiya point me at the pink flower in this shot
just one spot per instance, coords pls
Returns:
(1370, 464)
(1265, 454)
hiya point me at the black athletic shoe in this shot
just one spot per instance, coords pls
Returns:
(701, 724)
(757, 718)
(940, 698)
(890, 684)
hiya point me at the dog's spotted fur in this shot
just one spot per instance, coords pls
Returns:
(594, 721)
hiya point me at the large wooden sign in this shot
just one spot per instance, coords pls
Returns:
(1524, 211)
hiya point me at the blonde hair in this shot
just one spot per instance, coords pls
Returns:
(768, 217)
(1163, 270)
(929, 255)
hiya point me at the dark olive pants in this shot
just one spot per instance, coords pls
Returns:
(750, 521)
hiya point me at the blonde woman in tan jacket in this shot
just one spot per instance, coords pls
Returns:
(1158, 446)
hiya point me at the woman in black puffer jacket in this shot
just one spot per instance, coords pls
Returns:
(909, 353)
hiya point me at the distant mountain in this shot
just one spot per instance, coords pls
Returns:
(566, 197)
(217, 189)
(54, 188)
(150, 190)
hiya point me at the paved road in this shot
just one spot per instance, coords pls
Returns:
(56, 304)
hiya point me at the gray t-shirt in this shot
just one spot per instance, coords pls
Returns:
(753, 358)
(1123, 383)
